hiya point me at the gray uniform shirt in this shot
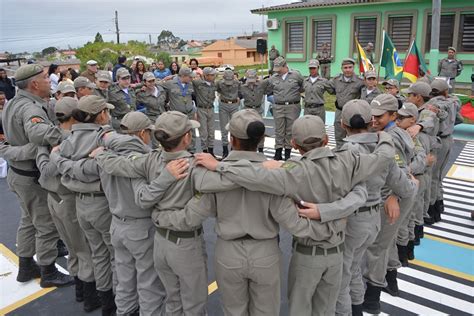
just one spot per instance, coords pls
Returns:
(447, 114)
(345, 90)
(253, 93)
(180, 98)
(314, 91)
(228, 92)
(102, 93)
(369, 97)
(118, 98)
(205, 93)
(288, 89)
(450, 68)
(155, 105)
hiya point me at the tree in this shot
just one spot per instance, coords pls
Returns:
(98, 38)
(167, 40)
(48, 50)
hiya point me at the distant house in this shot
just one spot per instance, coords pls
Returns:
(238, 52)
(64, 64)
(192, 46)
(299, 29)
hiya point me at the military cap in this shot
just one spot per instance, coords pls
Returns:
(208, 71)
(420, 88)
(81, 82)
(28, 71)
(65, 106)
(408, 109)
(452, 48)
(103, 75)
(251, 75)
(93, 104)
(347, 61)
(307, 129)
(370, 74)
(439, 84)
(66, 87)
(175, 124)
(91, 62)
(278, 63)
(383, 103)
(240, 121)
(122, 72)
(313, 63)
(354, 107)
(392, 82)
(148, 76)
(185, 71)
(134, 122)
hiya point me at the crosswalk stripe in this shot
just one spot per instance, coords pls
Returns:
(455, 286)
(452, 211)
(459, 188)
(467, 184)
(453, 236)
(408, 305)
(467, 222)
(448, 202)
(459, 198)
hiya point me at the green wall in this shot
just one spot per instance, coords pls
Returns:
(342, 39)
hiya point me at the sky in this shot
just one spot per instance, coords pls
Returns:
(32, 25)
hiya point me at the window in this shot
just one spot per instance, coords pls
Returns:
(400, 31)
(322, 31)
(446, 33)
(295, 37)
(466, 33)
(366, 30)
(249, 54)
(219, 54)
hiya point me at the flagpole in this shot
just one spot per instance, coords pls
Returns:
(381, 53)
(406, 55)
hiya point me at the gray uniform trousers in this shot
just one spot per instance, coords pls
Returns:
(427, 195)
(182, 269)
(36, 232)
(259, 110)
(318, 111)
(248, 274)
(138, 282)
(381, 255)
(284, 116)
(339, 132)
(225, 113)
(442, 155)
(94, 218)
(361, 230)
(418, 206)
(313, 283)
(206, 130)
(63, 211)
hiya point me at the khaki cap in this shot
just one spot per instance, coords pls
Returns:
(122, 72)
(28, 71)
(408, 109)
(383, 103)
(66, 87)
(103, 75)
(392, 82)
(347, 61)
(93, 104)
(185, 71)
(175, 124)
(439, 84)
(148, 76)
(134, 122)
(370, 74)
(251, 75)
(419, 87)
(278, 63)
(81, 82)
(354, 107)
(308, 128)
(65, 106)
(228, 77)
(208, 71)
(91, 62)
(313, 63)
(240, 121)
(452, 48)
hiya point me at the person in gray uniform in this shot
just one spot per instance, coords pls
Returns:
(102, 82)
(122, 97)
(392, 86)
(370, 91)
(205, 93)
(229, 102)
(314, 87)
(325, 59)
(82, 177)
(25, 121)
(83, 87)
(450, 67)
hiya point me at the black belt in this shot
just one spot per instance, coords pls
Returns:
(366, 209)
(253, 107)
(316, 250)
(174, 236)
(32, 174)
(229, 101)
(205, 107)
(129, 219)
(287, 103)
(444, 136)
(313, 105)
(91, 194)
(246, 237)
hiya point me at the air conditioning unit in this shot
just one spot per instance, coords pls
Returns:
(272, 24)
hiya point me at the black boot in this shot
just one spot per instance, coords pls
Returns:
(440, 205)
(287, 153)
(411, 250)
(402, 255)
(431, 213)
(91, 298)
(211, 151)
(278, 152)
(108, 302)
(28, 269)
(429, 220)
(392, 284)
(418, 234)
(205, 151)
(50, 277)
(79, 289)
(357, 310)
(62, 249)
(225, 151)
(260, 150)
(437, 211)
(372, 299)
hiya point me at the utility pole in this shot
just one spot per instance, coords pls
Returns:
(149, 38)
(435, 27)
(263, 22)
(117, 31)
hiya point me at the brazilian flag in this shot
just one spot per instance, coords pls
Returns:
(390, 60)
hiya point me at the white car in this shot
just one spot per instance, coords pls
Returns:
(222, 68)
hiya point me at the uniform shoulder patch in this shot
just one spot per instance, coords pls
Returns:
(289, 165)
(37, 119)
(399, 160)
(198, 195)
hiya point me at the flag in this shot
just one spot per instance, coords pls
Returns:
(413, 62)
(364, 62)
(389, 59)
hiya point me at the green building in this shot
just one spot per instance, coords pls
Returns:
(299, 29)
